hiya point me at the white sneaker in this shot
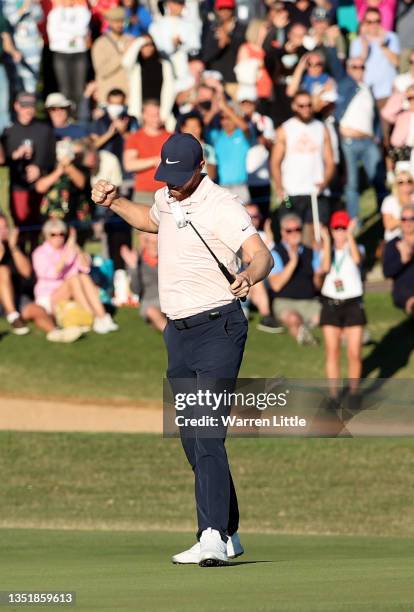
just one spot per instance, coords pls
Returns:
(66, 335)
(234, 547)
(213, 549)
(104, 325)
(192, 555)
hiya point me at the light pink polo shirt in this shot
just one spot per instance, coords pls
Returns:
(189, 279)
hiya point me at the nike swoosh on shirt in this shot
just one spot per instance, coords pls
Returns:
(245, 228)
(171, 162)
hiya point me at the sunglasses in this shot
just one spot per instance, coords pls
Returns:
(405, 182)
(292, 230)
(304, 105)
(54, 234)
(314, 64)
(357, 66)
(340, 228)
(407, 218)
(373, 21)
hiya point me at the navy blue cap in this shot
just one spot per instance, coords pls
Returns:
(181, 155)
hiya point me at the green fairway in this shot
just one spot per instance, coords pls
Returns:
(129, 365)
(132, 571)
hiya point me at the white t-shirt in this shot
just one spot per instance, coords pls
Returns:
(390, 206)
(359, 114)
(344, 269)
(67, 28)
(303, 163)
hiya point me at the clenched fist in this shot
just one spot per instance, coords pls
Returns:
(104, 193)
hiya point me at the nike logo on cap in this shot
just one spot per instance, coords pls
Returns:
(167, 161)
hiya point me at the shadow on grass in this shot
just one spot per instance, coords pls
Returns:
(3, 335)
(392, 352)
(370, 239)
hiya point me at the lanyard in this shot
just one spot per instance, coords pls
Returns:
(338, 266)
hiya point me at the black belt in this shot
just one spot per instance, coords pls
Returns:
(335, 302)
(206, 316)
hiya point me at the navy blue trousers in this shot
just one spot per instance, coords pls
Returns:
(202, 355)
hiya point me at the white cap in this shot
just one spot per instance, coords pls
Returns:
(57, 100)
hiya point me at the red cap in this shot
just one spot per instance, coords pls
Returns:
(224, 4)
(340, 218)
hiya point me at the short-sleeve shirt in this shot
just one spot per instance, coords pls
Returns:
(231, 152)
(379, 72)
(189, 279)
(147, 146)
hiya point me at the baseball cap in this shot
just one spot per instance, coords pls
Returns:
(181, 155)
(340, 218)
(224, 4)
(57, 100)
(320, 14)
(26, 99)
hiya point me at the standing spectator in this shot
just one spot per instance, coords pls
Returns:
(403, 132)
(29, 146)
(68, 32)
(381, 52)
(355, 113)
(321, 33)
(398, 262)
(403, 195)
(176, 36)
(406, 79)
(24, 19)
(142, 152)
(342, 311)
(150, 76)
(295, 280)
(252, 49)
(300, 11)
(192, 123)
(222, 41)
(386, 10)
(310, 75)
(6, 46)
(278, 19)
(404, 29)
(107, 55)
(16, 288)
(62, 272)
(231, 143)
(58, 108)
(302, 164)
(137, 18)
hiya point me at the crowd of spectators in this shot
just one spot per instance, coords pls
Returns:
(299, 106)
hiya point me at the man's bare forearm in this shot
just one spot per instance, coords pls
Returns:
(259, 267)
(136, 215)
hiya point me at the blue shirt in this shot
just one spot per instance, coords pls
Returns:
(379, 72)
(73, 131)
(143, 22)
(278, 263)
(231, 152)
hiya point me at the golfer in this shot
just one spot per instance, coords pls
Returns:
(206, 330)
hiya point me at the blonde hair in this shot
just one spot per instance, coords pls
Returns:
(53, 225)
(253, 30)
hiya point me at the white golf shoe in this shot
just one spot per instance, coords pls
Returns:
(213, 550)
(192, 555)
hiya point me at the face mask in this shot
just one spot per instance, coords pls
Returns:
(205, 105)
(115, 110)
(185, 108)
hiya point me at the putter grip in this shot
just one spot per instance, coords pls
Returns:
(230, 277)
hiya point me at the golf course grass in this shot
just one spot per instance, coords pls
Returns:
(132, 571)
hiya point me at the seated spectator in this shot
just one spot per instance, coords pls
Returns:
(58, 108)
(259, 294)
(231, 143)
(142, 152)
(62, 272)
(143, 269)
(402, 195)
(137, 18)
(24, 19)
(65, 190)
(68, 33)
(176, 36)
(107, 54)
(310, 76)
(295, 280)
(16, 289)
(342, 313)
(222, 40)
(398, 262)
(151, 77)
(29, 146)
(111, 129)
(193, 124)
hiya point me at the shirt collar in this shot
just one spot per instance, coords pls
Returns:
(200, 193)
(300, 249)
